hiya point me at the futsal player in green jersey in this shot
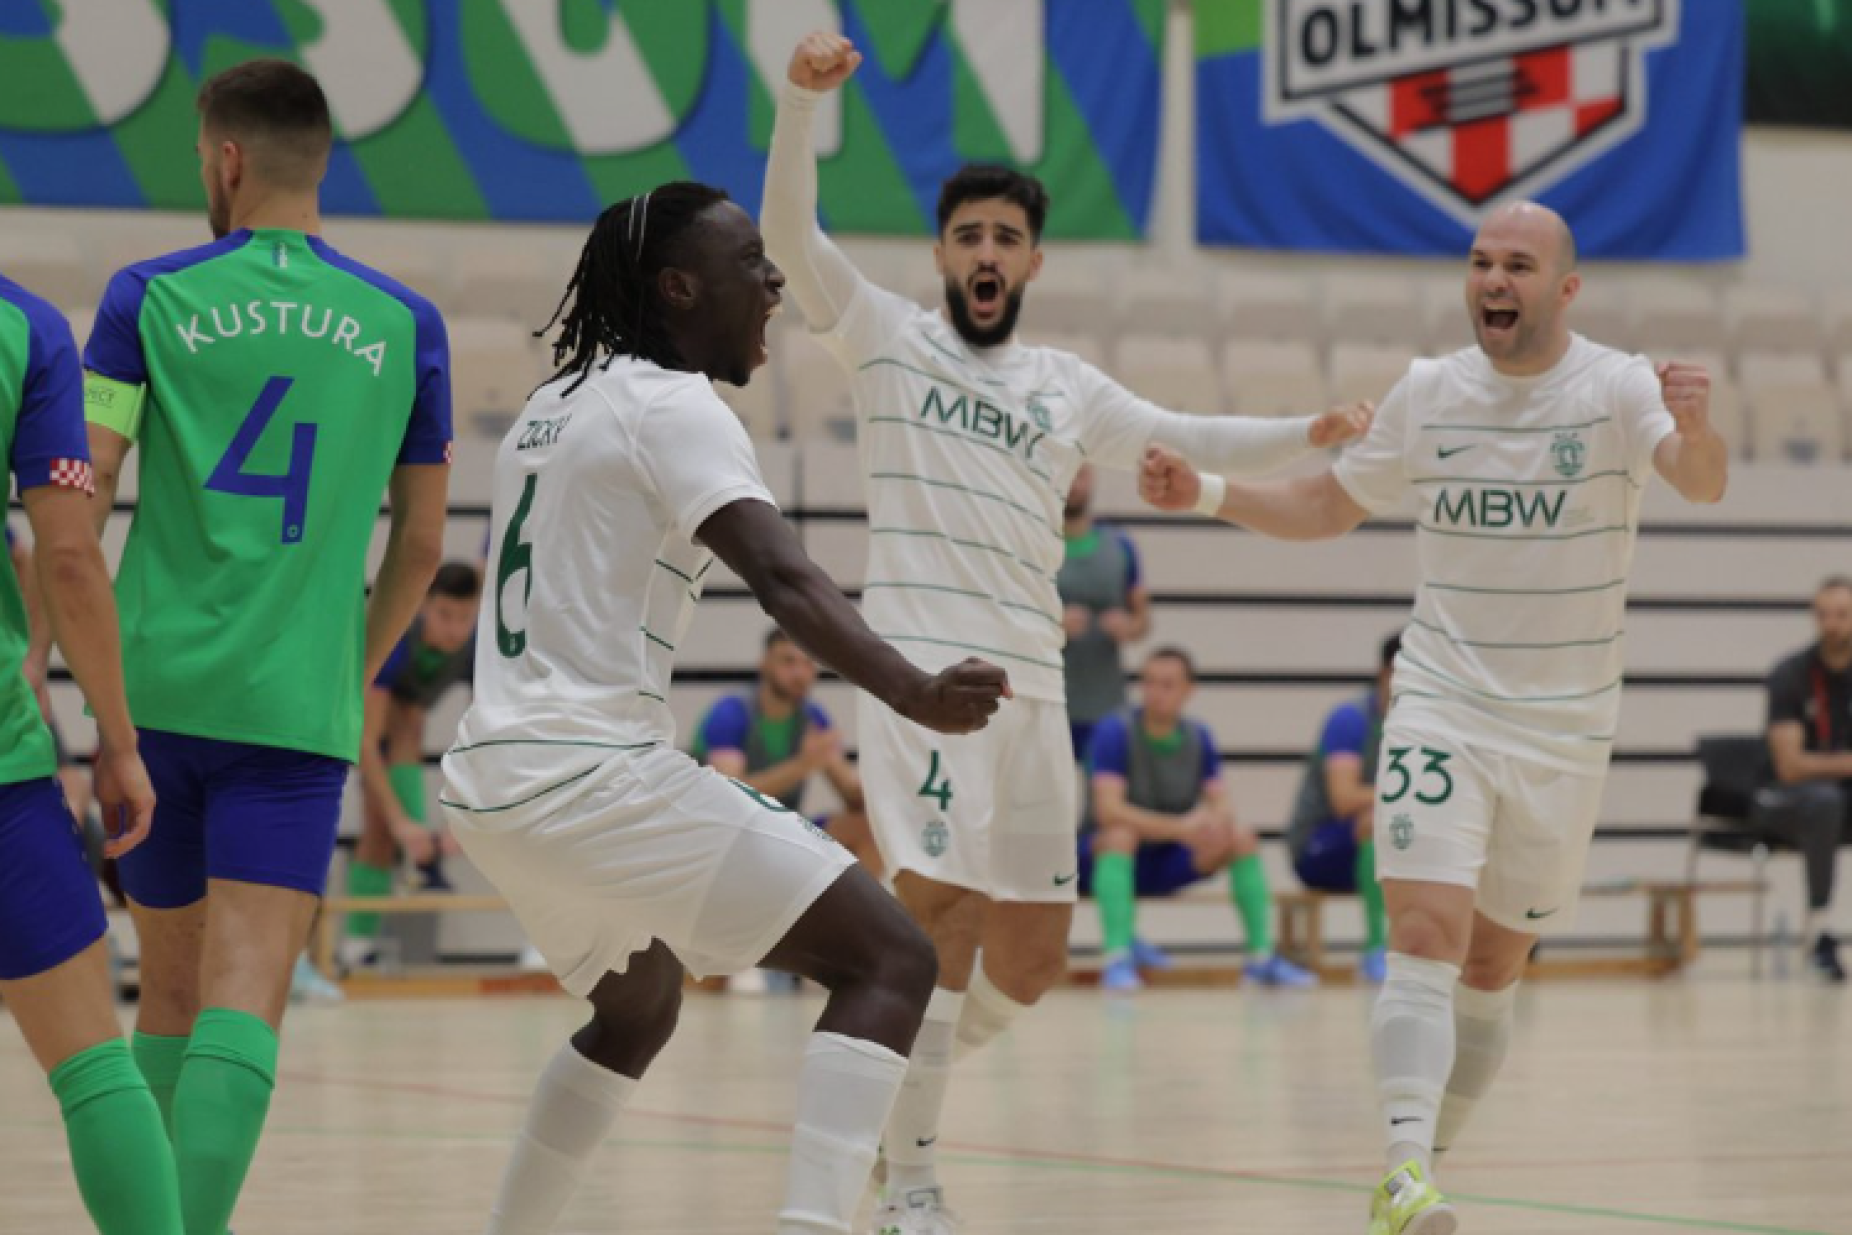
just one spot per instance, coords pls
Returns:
(276, 388)
(54, 965)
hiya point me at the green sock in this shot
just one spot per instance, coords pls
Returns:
(1375, 917)
(1115, 890)
(159, 1059)
(364, 879)
(408, 786)
(219, 1112)
(119, 1150)
(1247, 878)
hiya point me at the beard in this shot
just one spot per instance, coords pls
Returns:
(959, 307)
(218, 215)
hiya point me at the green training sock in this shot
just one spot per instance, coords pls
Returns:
(159, 1059)
(119, 1150)
(219, 1112)
(1375, 917)
(408, 786)
(365, 879)
(1247, 879)
(1115, 890)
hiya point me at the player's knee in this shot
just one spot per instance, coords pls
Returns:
(909, 967)
(632, 1022)
(1419, 932)
(1115, 840)
(1243, 842)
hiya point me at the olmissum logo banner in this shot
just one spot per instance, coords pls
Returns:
(1394, 126)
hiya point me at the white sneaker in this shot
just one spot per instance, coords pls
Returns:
(920, 1212)
(307, 985)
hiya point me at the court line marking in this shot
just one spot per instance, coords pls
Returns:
(1062, 1160)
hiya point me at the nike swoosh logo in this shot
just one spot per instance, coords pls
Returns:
(1448, 453)
(1061, 881)
(926, 1142)
(1533, 915)
(1406, 1119)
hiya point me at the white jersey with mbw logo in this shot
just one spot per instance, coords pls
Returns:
(1528, 494)
(594, 572)
(968, 454)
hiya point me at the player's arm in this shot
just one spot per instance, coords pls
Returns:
(81, 606)
(754, 540)
(1794, 763)
(414, 550)
(1345, 789)
(38, 628)
(1303, 508)
(1215, 801)
(846, 781)
(774, 781)
(819, 277)
(1113, 811)
(375, 778)
(1693, 458)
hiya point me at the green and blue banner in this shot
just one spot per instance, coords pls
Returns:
(1394, 126)
(546, 110)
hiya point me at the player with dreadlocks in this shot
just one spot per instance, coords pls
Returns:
(616, 489)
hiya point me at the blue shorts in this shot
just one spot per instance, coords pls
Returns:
(1160, 869)
(1082, 733)
(1328, 863)
(50, 906)
(227, 810)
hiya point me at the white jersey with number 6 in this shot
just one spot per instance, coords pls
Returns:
(593, 574)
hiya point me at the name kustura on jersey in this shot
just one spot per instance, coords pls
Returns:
(256, 319)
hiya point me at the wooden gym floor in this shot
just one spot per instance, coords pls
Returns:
(1707, 1104)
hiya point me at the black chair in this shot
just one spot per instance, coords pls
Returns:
(1735, 767)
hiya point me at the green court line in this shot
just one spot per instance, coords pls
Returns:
(1052, 1163)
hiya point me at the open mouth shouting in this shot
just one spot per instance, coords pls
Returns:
(1498, 321)
(765, 327)
(986, 293)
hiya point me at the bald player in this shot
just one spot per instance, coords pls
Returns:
(1526, 457)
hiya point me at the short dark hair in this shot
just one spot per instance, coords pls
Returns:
(280, 110)
(1392, 646)
(1171, 651)
(1833, 582)
(979, 182)
(612, 306)
(777, 635)
(457, 581)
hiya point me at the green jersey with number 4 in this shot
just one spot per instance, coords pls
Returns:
(273, 385)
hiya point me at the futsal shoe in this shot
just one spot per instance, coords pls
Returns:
(1121, 974)
(1147, 955)
(920, 1212)
(1408, 1204)
(1824, 960)
(1374, 967)
(1276, 970)
(307, 985)
(431, 877)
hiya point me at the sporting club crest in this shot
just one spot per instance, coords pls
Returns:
(1568, 454)
(1468, 102)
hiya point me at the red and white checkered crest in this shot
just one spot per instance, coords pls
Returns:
(1469, 102)
(73, 474)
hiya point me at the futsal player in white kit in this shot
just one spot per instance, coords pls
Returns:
(615, 491)
(969, 441)
(1526, 457)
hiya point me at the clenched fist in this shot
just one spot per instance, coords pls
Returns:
(1167, 481)
(823, 61)
(960, 699)
(1686, 389)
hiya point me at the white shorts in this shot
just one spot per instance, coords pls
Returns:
(994, 811)
(1451, 811)
(657, 847)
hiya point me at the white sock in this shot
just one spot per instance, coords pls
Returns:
(1482, 1035)
(1411, 1038)
(574, 1106)
(844, 1096)
(912, 1137)
(988, 1012)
